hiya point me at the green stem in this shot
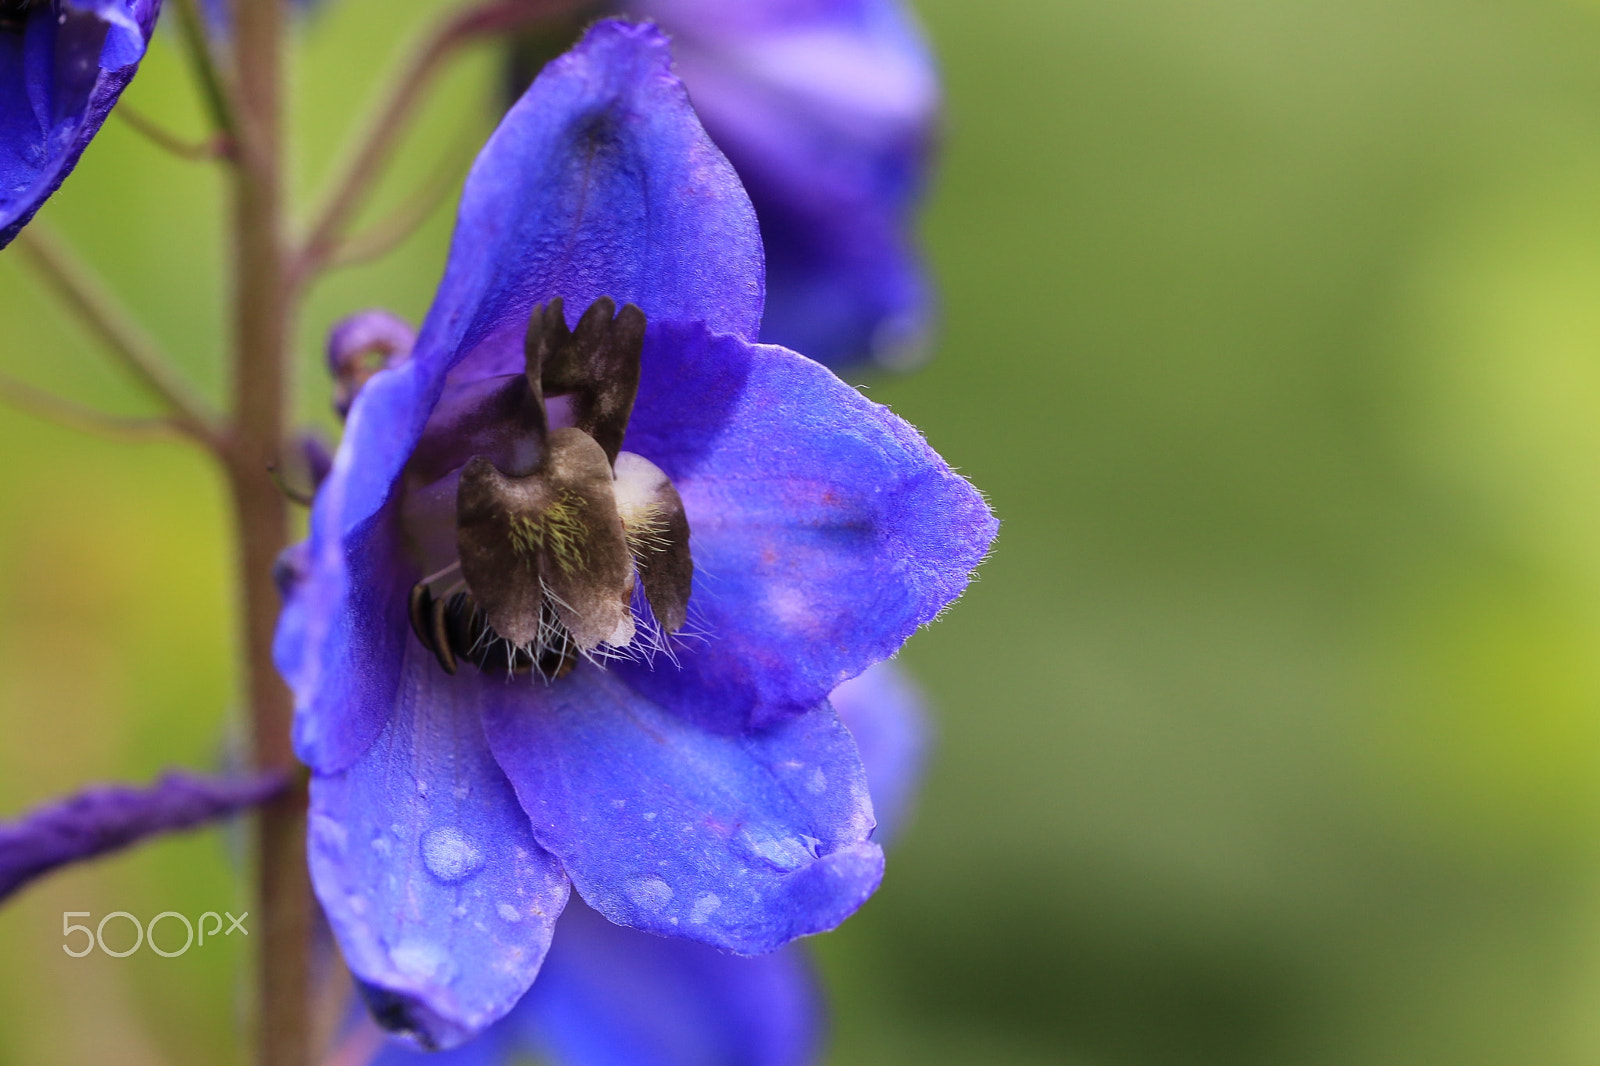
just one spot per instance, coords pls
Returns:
(264, 311)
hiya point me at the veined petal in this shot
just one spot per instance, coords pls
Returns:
(883, 709)
(824, 529)
(424, 862)
(743, 842)
(60, 74)
(600, 181)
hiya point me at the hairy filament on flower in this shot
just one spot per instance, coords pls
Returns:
(646, 530)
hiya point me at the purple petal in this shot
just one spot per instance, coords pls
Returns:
(743, 842)
(828, 112)
(425, 865)
(824, 529)
(884, 710)
(60, 74)
(600, 181)
(612, 996)
(343, 634)
(101, 820)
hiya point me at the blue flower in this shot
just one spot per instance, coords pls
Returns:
(579, 585)
(827, 109)
(63, 63)
(612, 996)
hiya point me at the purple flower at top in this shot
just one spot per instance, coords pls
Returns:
(588, 564)
(827, 109)
(63, 63)
(612, 996)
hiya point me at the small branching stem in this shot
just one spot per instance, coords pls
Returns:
(73, 415)
(407, 89)
(80, 290)
(390, 232)
(216, 147)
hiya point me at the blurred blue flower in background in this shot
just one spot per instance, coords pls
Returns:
(827, 109)
(63, 63)
(613, 996)
(676, 757)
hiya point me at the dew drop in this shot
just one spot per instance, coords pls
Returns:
(704, 907)
(422, 961)
(651, 893)
(449, 855)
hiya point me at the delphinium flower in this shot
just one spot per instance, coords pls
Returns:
(613, 996)
(63, 64)
(828, 111)
(588, 564)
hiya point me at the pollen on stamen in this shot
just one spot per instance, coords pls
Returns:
(559, 533)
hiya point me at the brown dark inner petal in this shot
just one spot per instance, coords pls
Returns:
(597, 364)
(555, 531)
(551, 526)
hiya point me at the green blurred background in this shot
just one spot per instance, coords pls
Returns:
(1271, 733)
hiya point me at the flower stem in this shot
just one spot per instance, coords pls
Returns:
(390, 232)
(263, 323)
(214, 147)
(74, 415)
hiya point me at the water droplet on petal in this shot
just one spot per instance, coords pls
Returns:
(422, 961)
(449, 855)
(704, 907)
(650, 893)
